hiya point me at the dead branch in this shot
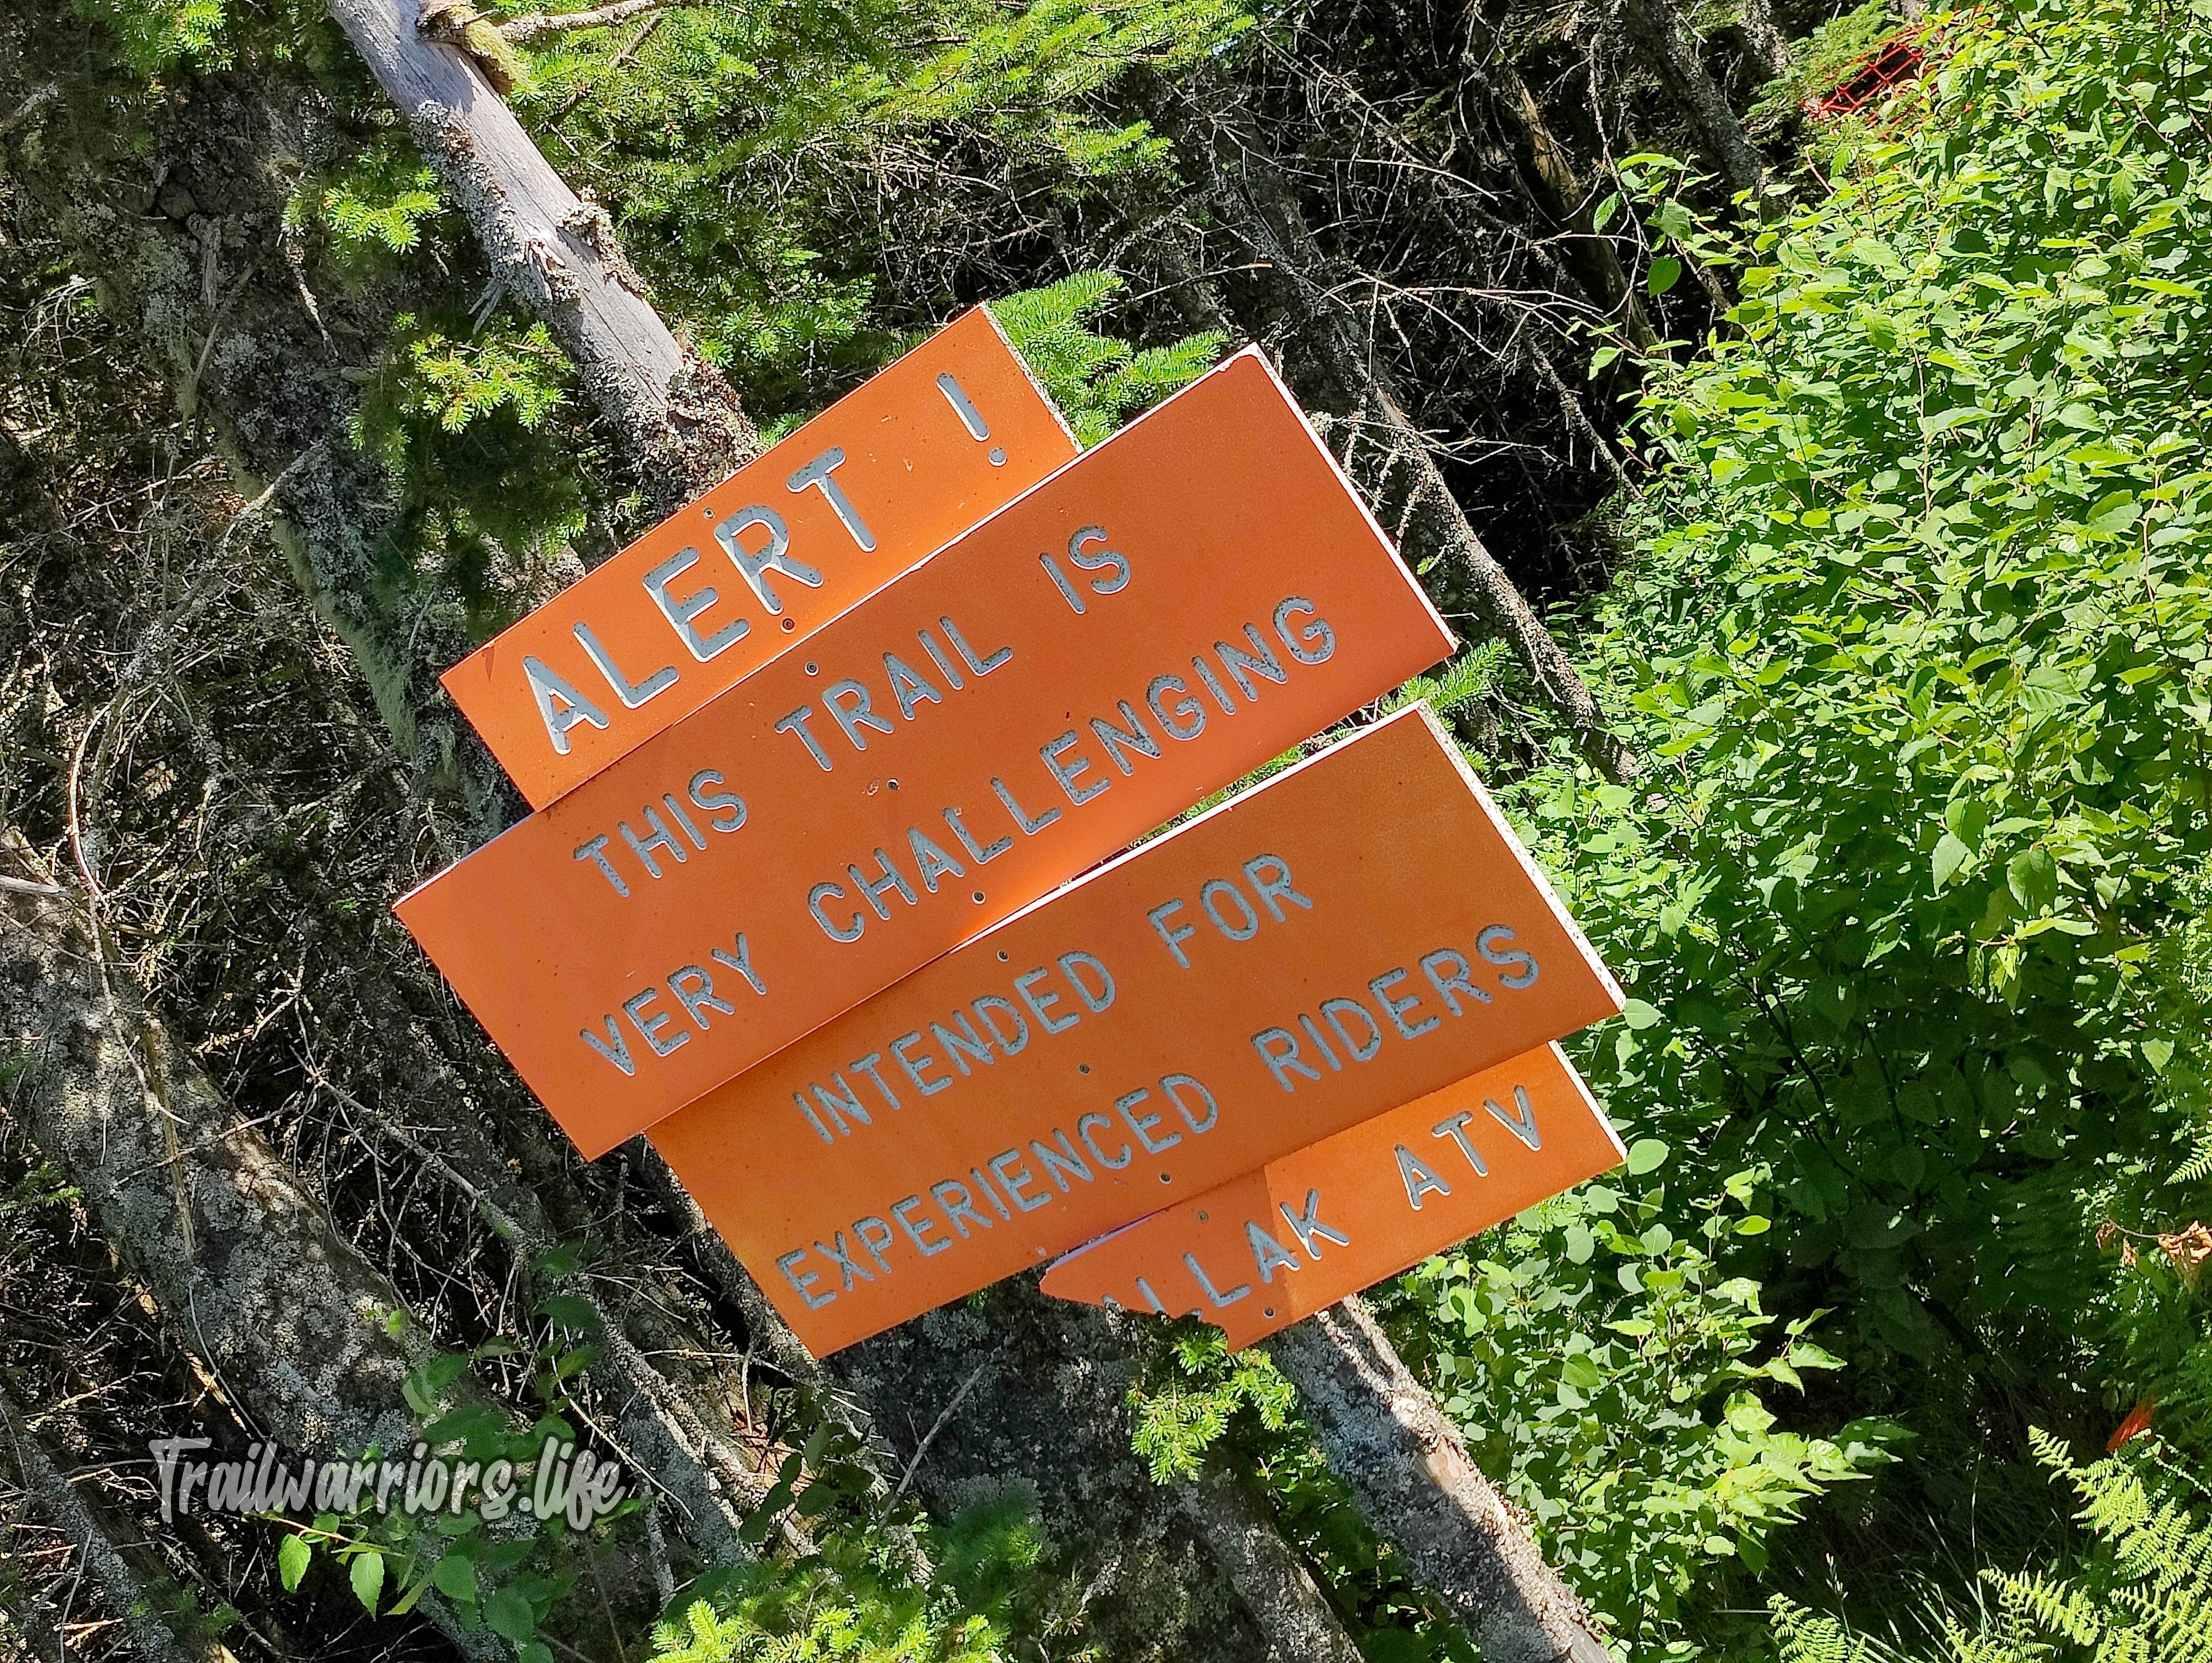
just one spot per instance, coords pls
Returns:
(540, 25)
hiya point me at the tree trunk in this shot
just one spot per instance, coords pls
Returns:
(1301, 1623)
(1668, 47)
(1380, 448)
(1769, 49)
(1013, 1392)
(161, 1619)
(306, 1337)
(558, 255)
(1384, 1436)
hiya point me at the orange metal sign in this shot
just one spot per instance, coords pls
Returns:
(1359, 930)
(897, 468)
(1166, 613)
(1310, 1226)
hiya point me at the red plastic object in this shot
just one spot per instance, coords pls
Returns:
(1896, 60)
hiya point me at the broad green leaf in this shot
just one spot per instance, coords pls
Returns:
(293, 1557)
(2033, 875)
(570, 1311)
(507, 1613)
(1950, 855)
(455, 1576)
(366, 1572)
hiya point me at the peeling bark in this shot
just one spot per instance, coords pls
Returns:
(558, 255)
(1384, 1436)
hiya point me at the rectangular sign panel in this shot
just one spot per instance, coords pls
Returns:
(1166, 613)
(1326, 1220)
(1360, 931)
(897, 468)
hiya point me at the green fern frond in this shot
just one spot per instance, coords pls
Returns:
(1801, 1636)
(2142, 1592)
(1999, 1646)
(2175, 1623)
(2063, 1608)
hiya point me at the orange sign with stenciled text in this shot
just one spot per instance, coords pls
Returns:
(1361, 929)
(916, 455)
(1184, 601)
(1310, 1226)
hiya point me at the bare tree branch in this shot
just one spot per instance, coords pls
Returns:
(543, 26)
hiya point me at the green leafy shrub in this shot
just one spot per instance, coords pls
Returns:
(1916, 637)
(856, 1601)
(1924, 665)
(1607, 1371)
(1606, 1374)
